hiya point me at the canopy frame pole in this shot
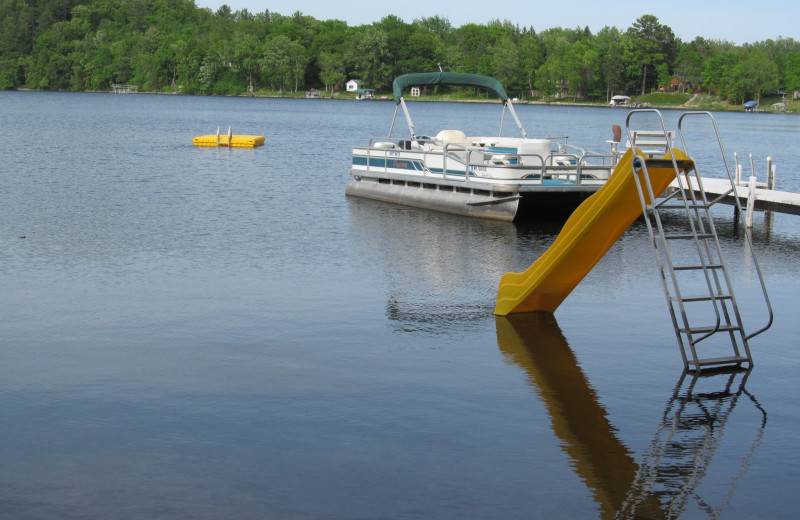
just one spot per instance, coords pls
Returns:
(394, 118)
(408, 118)
(507, 103)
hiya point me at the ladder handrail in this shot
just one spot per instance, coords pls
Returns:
(698, 222)
(671, 152)
(737, 205)
(665, 251)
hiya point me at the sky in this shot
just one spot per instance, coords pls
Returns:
(736, 21)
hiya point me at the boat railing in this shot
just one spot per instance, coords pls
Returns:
(566, 147)
(468, 162)
(607, 159)
(475, 160)
(598, 162)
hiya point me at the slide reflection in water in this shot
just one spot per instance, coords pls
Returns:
(676, 460)
(535, 342)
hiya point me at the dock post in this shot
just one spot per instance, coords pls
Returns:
(751, 202)
(770, 186)
(738, 168)
(770, 174)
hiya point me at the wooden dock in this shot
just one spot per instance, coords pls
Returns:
(118, 88)
(765, 199)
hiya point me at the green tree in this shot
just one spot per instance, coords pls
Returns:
(424, 51)
(655, 44)
(754, 75)
(332, 70)
(531, 57)
(504, 58)
(438, 25)
(87, 44)
(609, 44)
(584, 63)
(248, 52)
(687, 65)
(298, 60)
(790, 75)
(718, 72)
(277, 61)
(550, 80)
(398, 36)
(367, 52)
(465, 47)
(663, 74)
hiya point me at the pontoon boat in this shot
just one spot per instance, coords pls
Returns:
(484, 176)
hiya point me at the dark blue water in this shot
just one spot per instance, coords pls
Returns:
(208, 333)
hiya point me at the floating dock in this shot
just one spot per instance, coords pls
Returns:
(229, 140)
(236, 141)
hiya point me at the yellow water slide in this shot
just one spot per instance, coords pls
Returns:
(589, 232)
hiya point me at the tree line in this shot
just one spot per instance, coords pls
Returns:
(172, 45)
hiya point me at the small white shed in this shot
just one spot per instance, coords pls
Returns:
(352, 85)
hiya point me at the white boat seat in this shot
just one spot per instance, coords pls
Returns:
(452, 136)
(502, 158)
(532, 152)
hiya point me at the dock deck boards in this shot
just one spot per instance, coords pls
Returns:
(765, 199)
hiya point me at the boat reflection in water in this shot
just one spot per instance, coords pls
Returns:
(677, 459)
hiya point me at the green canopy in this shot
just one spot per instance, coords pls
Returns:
(446, 78)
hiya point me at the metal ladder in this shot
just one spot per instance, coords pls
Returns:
(699, 293)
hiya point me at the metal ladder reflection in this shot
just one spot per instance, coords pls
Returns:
(681, 450)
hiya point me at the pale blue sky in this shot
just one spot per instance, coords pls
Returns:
(735, 20)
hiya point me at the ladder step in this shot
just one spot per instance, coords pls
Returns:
(679, 236)
(721, 361)
(682, 206)
(696, 267)
(702, 298)
(704, 329)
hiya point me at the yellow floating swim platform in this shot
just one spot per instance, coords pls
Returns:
(236, 141)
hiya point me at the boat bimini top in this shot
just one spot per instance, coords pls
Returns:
(449, 78)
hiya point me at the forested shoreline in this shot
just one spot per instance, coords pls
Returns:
(174, 46)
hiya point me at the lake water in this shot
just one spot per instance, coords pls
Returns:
(210, 333)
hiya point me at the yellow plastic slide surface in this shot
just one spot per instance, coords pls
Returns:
(588, 233)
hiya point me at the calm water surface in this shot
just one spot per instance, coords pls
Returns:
(210, 333)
